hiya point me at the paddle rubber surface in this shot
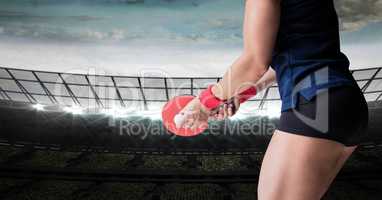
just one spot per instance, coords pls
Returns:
(172, 108)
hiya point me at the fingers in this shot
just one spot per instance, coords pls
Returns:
(195, 125)
(195, 122)
(191, 116)
(179, 120)
(221, 114)
(225, 111)
(189, 123)
(191, 119)
(230, 110)
(183, 119)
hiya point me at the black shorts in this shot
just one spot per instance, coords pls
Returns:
(337, 113)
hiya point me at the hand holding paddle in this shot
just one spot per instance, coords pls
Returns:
(188, 115)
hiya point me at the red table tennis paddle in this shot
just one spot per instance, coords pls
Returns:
(172, 108)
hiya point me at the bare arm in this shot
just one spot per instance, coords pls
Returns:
(266, 80)
(261, 22)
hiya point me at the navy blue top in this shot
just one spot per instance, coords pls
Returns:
(307, 56)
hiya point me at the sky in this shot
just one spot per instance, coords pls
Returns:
(156, 37)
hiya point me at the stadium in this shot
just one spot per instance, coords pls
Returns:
(50, 151)
(86, 134)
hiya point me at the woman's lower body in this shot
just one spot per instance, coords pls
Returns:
(312, 143)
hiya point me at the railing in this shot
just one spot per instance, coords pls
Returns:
(86, 90)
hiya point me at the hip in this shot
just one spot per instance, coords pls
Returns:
(337, 113)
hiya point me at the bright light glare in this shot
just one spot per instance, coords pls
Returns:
(269, 112)
(123, 113)
(149, 114)
(115, 112)
(118, 112)
(38, 107)
(75, 110)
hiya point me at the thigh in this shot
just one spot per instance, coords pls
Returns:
(298, 167)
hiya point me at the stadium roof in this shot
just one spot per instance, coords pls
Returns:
(147, 93)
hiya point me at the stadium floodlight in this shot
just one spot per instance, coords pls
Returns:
(38, 107)
(75, 110)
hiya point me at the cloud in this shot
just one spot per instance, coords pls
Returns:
(355, 14)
